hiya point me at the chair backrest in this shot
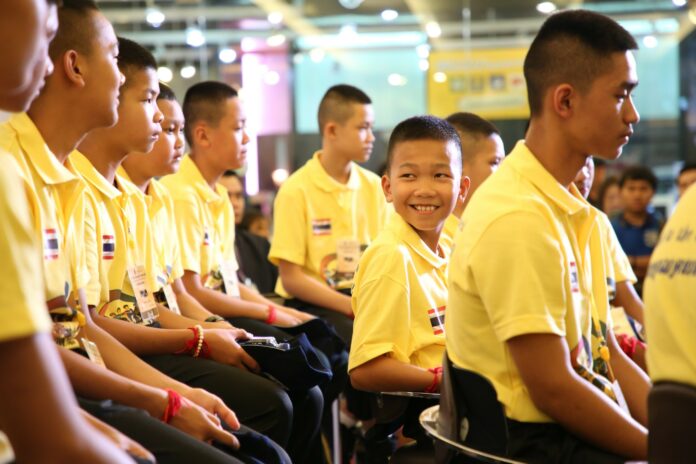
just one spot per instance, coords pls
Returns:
(470, 412)
(671, 412)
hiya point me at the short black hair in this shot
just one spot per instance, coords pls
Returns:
(336, 104)
(471, 128)
(423, 128)
(690, 166)
(604, 189)
(204, 102)
(574, 47)
(133, 57)
(639, 173)
(166, 92)
(75, 29)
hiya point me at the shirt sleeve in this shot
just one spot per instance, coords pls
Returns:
(190, 233)
(289, 228)
(520, 276)
(622, 267)
(381, 301)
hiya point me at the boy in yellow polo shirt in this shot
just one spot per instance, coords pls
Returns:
(400, 292)
(482, 153)
(528, 299)
(329, 211)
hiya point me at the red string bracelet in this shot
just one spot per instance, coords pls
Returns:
(435, 385)
(173, 405)
(190, 345)
(271, 314)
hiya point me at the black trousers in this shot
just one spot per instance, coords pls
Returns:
(172, 446)
(291, 419)
(552, 444)
(342, 324)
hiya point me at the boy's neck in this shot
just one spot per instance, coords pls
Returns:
(140, 179)
(210, 173)
(61, 134)
(635, 218)
(550, 148)
(459, 208)
(334, 165)
(104, 155)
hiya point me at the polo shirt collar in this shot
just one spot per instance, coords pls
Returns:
(92, 176)
(324, 181)
(40, 156)
(193, 176)
(403, 230)
(528, 166)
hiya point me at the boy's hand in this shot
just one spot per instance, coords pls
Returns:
(204, 425)
(301, 315)
(120, 440)
(213, 405)
(225, 349)
(284, 319)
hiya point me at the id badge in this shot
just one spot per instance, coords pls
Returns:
(228, 269)
(348, 255)
(171, 299)
(146, 301)
(93, 352)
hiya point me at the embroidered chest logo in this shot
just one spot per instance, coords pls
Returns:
(574, 281)
(437, 319)
(108, 247)
(321, 226)
(50, 244)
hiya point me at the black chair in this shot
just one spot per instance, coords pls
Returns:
(671, 412)
(469, 415)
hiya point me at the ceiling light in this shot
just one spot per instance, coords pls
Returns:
(275, 40)
(227, 55)
(348, 31)
(650, 41)
(279, 176)
(271, 78)
(194, 37)
(433, 29)
(188, 71)
(423, 50)
(440, 77)
(154, 17)
(397, 80)
(679, 2)
(275, 17)
(165, 74)
(546, 7)
(350, 4)
(423, 64)
(390, 15)
(317, 55)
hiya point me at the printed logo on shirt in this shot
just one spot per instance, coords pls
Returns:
(108, 247)
(321, 226)
(574, 281)
(50, 244)
(206, 237)
(437, 319)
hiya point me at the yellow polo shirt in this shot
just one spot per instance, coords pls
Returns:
(125, 208)
(399, 299)
(449, 229)
(522, 264)
(23, 308)
(669, 293)
(312, 212)
(55, 195)
(204, 222)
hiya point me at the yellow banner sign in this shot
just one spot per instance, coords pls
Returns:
(489, 83)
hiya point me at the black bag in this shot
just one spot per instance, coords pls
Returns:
(292, 362)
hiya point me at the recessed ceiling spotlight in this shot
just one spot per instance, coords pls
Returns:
(440, 77)
(188, 71)
(165, 74)
(546, 7)
(650, 41)
(194, 37)
(390, 15)
(679, 2)
(227, 55)
(275, 40)
(154, 17)
(275, 17)
(433, 29)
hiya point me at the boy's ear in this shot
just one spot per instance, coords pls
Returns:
(200, 136)
(330, 129)
(563, 97)
(386, 188)
(73, 67)
(464, 185)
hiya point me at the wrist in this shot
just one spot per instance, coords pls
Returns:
(173, 405)
(271, 314)
(156, 403)
(434, 385)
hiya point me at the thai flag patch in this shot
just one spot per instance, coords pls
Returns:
(50, 244)
(206, 237)
(108, 247)
(437, 319)
(321, 226)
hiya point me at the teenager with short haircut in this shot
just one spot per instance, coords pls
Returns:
(329, 211)
(400, 290)
(215, 130)
(686, 177)
(528, 306)
(482, 153)
(638, 226)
